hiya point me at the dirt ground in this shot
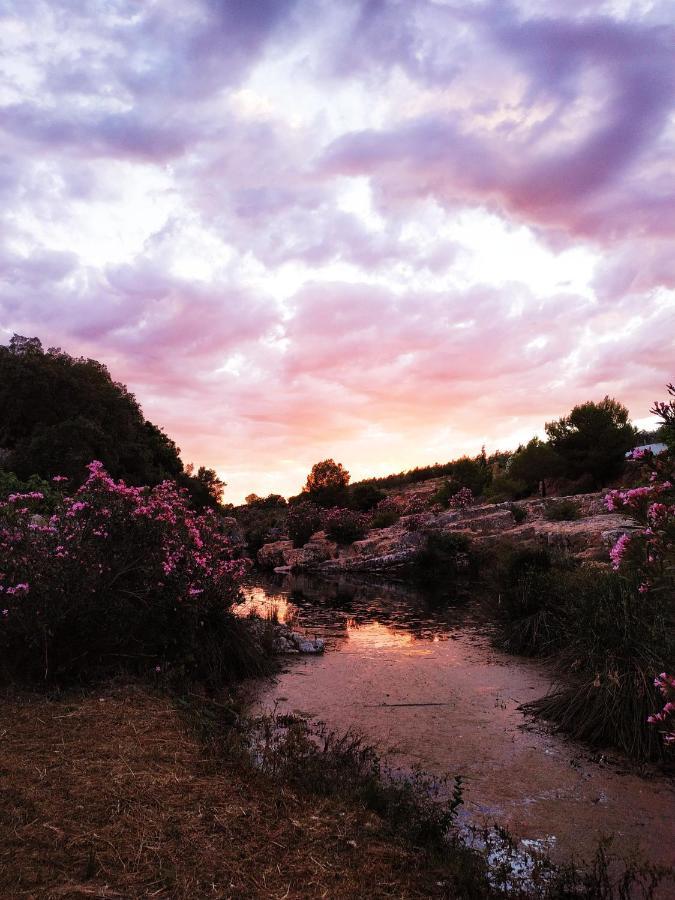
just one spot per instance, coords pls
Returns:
(111, 796)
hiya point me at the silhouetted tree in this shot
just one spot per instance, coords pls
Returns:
(326, 484)
(58, 412)
(534, 463)
(593, 439)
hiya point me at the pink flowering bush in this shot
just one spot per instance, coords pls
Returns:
(345, 525)
(114, 577)
(386, 513)
(463, 498)
(648, 552)
(665, 719)
(302, 520)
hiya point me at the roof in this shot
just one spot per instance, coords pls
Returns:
(656, 449)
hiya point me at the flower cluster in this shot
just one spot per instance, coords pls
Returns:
(666, 718)
(649, 552)
(345, 525)
(112, 569)
(463, 498)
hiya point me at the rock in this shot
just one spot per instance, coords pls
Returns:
(271, 555)
(306, 645)
(314, 551)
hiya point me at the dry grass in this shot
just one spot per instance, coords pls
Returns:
(110, 796)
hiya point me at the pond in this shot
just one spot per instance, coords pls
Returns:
(424, 685)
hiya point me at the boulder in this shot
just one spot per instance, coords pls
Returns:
(272, 555)
(314, 551)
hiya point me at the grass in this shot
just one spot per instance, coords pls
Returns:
(562, 511)
(111, 795)
(607, 640)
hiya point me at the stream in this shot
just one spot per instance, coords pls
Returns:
(425, 686)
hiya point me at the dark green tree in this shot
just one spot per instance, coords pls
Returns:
(534, 463)
(593, 440)
(58, 413)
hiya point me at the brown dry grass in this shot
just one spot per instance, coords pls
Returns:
(110, 796)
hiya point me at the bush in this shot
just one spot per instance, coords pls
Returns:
(453, 496)
(504, 487)
(386, 513)
(302, 520)
(608, 639)
(117, 578)
(562, 511)
(519, 514)
(345, 525)
(364, 497)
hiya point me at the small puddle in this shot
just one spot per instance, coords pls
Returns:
(424, 685)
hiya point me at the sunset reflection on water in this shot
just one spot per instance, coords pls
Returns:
(259, 602)
(376, 636)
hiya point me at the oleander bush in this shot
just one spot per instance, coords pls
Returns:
(116, 577)
(302, 520)
(345, 525)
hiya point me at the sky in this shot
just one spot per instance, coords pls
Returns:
(382, 231)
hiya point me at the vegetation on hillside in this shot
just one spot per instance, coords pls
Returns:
(59, 412)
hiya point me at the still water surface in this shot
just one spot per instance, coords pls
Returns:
(425, 686)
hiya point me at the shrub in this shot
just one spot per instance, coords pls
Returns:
(345, 525)
(504, 487)
(519, 514)
(302, 520)
(461, 499)
(386, 513)
(453, 495)
(364, 497)
(117, 577)
(608, 638)
(562, 511)
(649, 554)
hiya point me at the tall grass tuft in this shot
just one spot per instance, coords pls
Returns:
(607, 638)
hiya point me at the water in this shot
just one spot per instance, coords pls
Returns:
(425, 686)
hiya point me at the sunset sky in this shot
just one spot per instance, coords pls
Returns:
(384, 232)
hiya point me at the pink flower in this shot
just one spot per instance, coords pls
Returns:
(618, 550)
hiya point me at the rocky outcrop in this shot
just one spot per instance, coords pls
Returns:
(283, 555)
(388, 551)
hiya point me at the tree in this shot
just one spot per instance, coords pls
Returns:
(206, 487)
(58, 413)
(593, 439)
(326, 484)
(535, 463)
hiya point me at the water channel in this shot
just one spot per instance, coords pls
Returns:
(424, 684)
